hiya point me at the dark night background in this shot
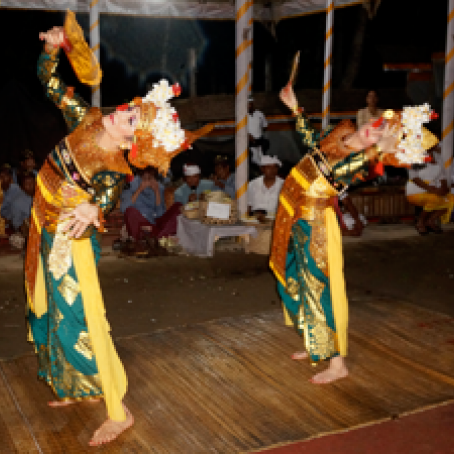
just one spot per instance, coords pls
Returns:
(136, 51)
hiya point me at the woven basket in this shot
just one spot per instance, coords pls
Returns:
(261, 244)
(218, 197)
(191, 211)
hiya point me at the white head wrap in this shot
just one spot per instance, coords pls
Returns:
(269, 161)
(189, 171)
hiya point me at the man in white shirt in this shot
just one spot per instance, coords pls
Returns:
(427, 187)
(263, 192)
(256, 125)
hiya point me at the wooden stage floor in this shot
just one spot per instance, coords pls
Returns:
(229, 386)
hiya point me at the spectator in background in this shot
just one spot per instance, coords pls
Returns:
(145, 212)
(256, 126)
(371, 112)
(223, 179)
(27, 165)
(263, 192)
(16, 206)
(427, 187)
(27, 183)
(193, 187)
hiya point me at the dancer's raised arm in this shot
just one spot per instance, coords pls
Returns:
(71, 104)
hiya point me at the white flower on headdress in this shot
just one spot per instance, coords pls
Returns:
(166, 127)
(410, 144)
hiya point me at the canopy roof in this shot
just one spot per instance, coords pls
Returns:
(203, 9)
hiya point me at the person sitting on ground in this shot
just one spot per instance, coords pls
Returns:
(223, 179)
(17, 205)
(263, 192)
(27, 165)
(145, 212)
(371, 112)
(427, 187)
(193, 187)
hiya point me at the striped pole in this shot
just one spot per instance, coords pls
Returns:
(251, 47)
(243, 16)
(448, 94)
(328, 53)
(94, 44)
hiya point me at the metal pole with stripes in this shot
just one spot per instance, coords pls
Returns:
(243, 16)
(448, 94)
(251, 48)
(328, 53)
(95, 44)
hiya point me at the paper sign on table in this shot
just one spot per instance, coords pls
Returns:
(218, 210)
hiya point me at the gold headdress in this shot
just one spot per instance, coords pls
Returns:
(414, 139)
(159, 136)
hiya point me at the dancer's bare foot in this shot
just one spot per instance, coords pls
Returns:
(298, 356)
(65, 403)
(336, 370)
(110, 430)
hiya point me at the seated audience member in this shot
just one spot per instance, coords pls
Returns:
(193, 187)
(371, 112)
(27, 165)
(263, 192)
(223, 179)
(27, 183)
(145, 212)
(427, 187)
(16, 206)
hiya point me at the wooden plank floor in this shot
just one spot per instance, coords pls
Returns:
(229, 386)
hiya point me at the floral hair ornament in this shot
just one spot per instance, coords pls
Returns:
(158, 136)
(414, 139)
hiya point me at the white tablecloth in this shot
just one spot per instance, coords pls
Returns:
(198, 239)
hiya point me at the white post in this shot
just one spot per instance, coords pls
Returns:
(251, 46)
(95, 44)
(328, 53)
(448, 94)
(243, 15)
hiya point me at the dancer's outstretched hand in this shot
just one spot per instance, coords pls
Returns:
(389, 139)
(54, 37)
(80, 218)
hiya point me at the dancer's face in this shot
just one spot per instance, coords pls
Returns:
(368, 135)
(121, 124)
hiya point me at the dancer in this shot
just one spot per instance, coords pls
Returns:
(306, 252)
(79, 182)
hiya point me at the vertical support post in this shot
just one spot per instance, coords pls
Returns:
(243, 10)
(192, 64)
(251, 46)
(95, 45)
(328, 53)
(448, 94)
